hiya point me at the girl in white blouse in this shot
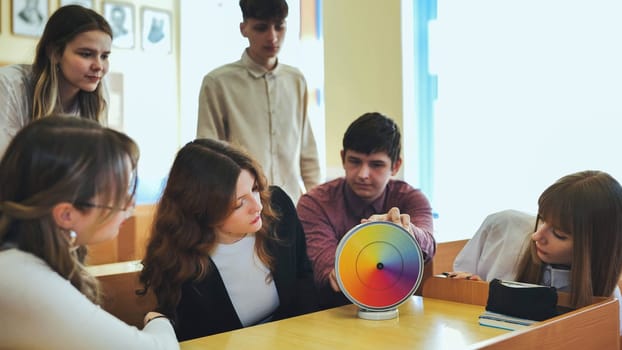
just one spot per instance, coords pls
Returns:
(66, 182)
(573, 244)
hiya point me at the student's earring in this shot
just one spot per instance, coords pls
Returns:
(73, 236)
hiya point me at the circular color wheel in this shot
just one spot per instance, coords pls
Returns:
(378, 265)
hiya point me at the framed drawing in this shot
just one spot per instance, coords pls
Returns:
(121, 19)
(29, 16)
(84, 3)
(156, 30)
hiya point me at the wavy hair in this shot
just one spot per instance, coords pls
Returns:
(63, 26)
(62, 159)
(588, 206)
(199, 195)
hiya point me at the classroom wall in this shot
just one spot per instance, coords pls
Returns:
(12, 48)
(363, 66)
(363, 73)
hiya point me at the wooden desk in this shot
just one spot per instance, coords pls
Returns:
(429, 322)
(423, 323)
(446, 253)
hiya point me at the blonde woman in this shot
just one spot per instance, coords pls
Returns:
(70, 61)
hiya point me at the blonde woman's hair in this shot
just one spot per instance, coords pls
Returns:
(62, 27)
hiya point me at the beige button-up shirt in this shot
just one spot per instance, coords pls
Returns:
(265, 112)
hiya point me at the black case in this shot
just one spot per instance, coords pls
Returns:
(522, 300)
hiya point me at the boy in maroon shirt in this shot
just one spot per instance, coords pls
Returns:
(370, 157)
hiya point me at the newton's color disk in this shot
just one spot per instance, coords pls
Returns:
(379, 265)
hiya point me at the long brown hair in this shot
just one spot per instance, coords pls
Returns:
(61, 159)
(588, 206)
(63, 26)
(199, 195)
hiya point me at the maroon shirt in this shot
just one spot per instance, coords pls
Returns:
(329, 210)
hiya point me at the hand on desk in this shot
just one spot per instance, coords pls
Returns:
(462, 275)
(394, 216)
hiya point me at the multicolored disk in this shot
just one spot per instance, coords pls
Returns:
(378, 265)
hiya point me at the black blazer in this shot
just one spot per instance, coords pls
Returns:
(205, 307)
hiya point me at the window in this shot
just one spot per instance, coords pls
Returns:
(528, 91)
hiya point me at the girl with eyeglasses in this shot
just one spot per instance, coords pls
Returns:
(66, 182)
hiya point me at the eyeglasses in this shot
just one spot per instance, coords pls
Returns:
(130, 203)
(128, 210)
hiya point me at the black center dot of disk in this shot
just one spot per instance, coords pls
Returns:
(380, 266)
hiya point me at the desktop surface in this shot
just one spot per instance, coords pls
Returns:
(423, 323)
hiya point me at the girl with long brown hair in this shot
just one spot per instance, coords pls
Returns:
(573, 244)
(226, 251)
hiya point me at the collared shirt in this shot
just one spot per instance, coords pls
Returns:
(556, 277)
(265, 112)
(494, 250)
(329, 210)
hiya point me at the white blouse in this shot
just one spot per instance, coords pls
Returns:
(42, 310)
(252, 294)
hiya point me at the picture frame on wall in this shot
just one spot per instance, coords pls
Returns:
(121, 19)
(28, 17)
(84, 3)
(156, 30)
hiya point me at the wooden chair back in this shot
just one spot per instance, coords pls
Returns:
(119, 282)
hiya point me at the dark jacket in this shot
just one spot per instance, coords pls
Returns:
(205, 307)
